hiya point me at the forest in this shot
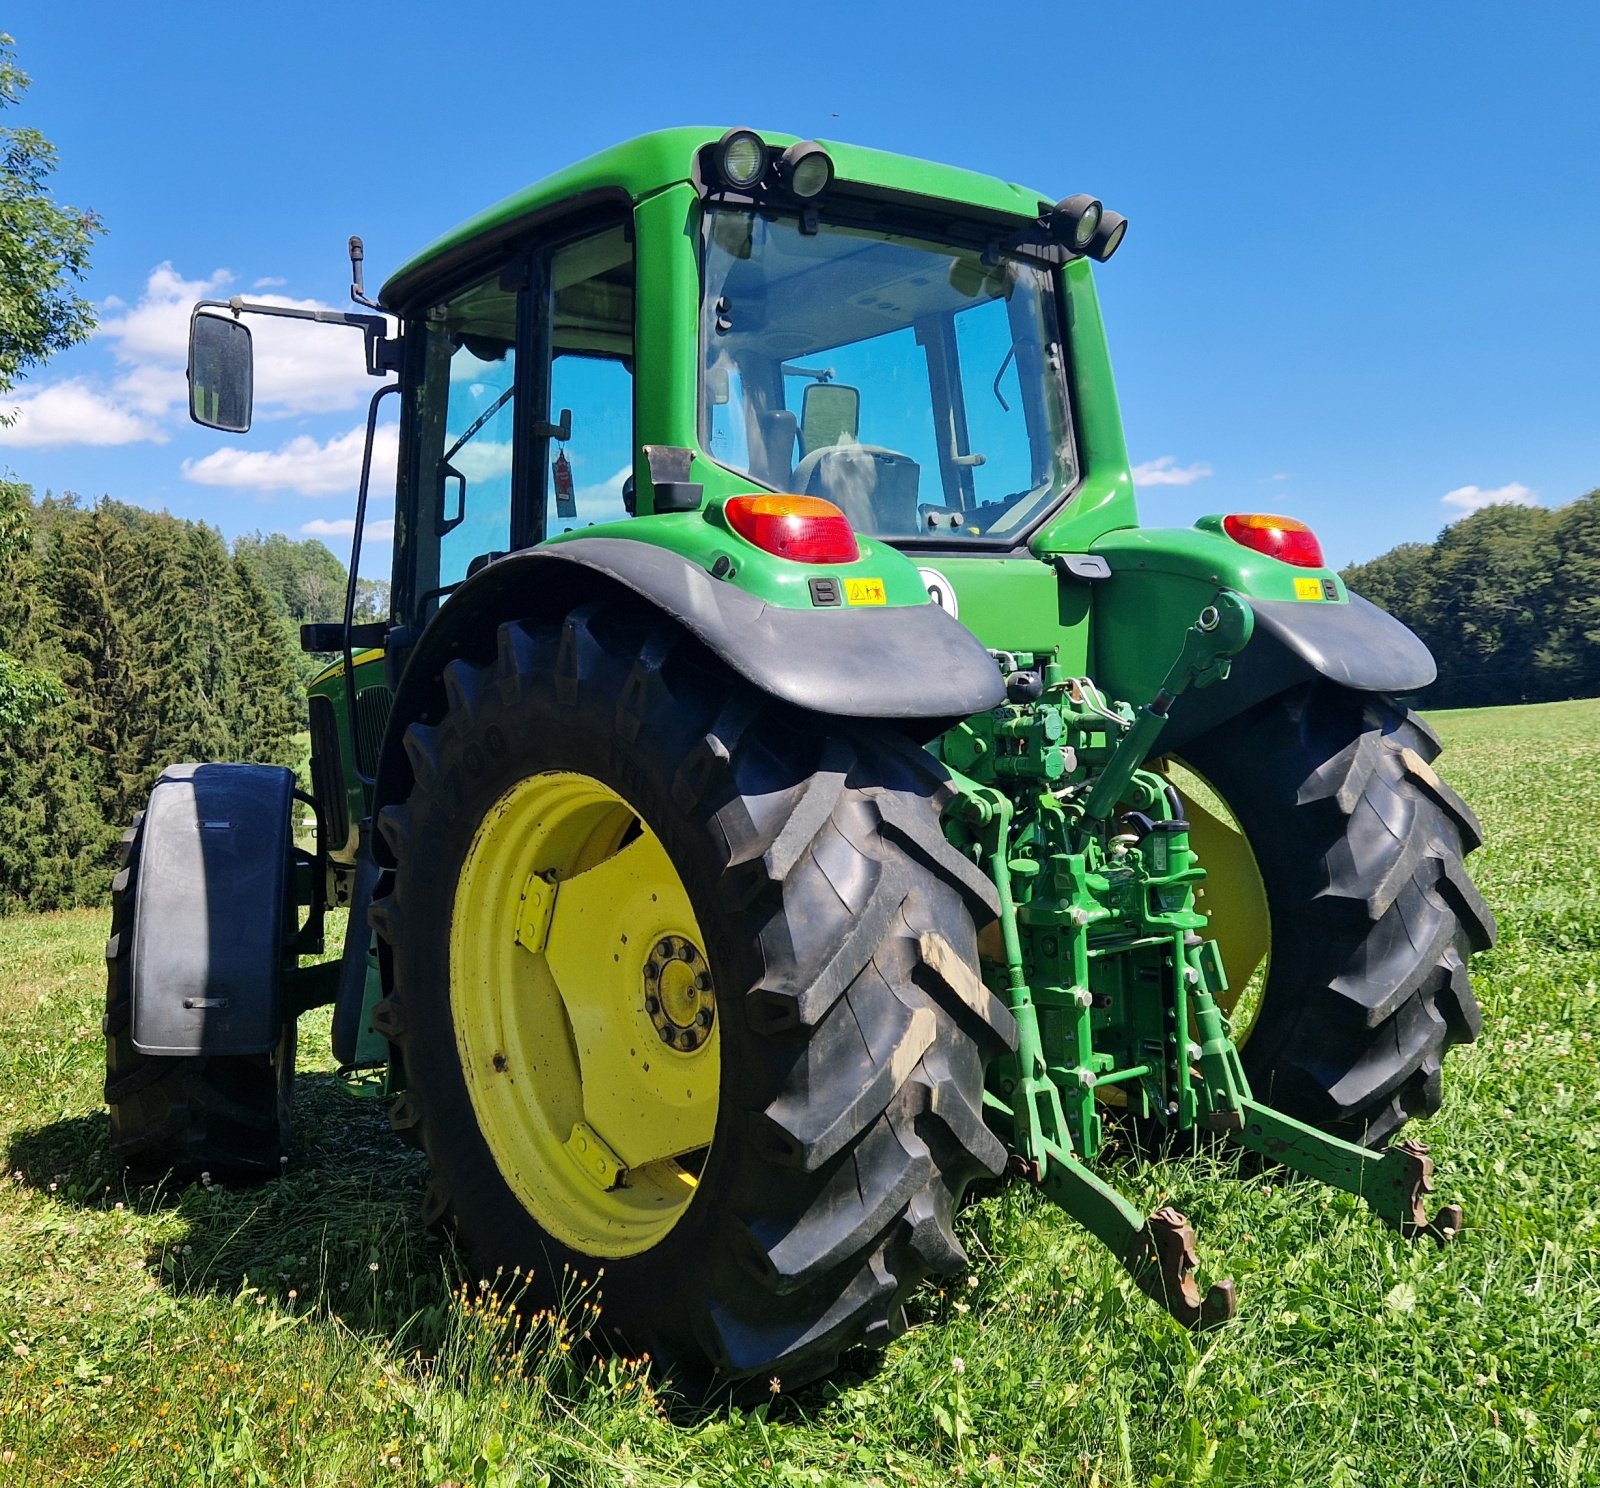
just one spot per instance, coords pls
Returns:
(130, 639)
(1508, 600)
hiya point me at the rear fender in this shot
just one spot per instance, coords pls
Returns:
(912, 666)
(1355, 645)
(1307, 625)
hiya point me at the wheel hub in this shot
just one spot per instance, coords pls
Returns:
(678, 993)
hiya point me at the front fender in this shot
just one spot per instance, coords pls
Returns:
(909, 665)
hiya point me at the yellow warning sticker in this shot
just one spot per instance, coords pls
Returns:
(865, 591)
(1308, 588)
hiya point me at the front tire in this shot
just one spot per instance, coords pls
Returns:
(1359, 847)
(623, 874)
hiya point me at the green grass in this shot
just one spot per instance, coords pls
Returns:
(309, 1331)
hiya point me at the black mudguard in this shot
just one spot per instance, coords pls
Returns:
(213, 918)
(1355, 645)
(913, 666)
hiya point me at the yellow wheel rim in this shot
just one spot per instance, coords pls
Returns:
(1233, 896)
(585, 1014)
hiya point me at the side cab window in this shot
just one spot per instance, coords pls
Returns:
(491, 370)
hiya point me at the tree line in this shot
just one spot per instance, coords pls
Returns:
(1508, 600)
(130, 640)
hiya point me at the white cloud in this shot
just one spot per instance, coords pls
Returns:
(301, 368)
(302, 465)
(1165, 471)
(1283, 475)
(152, 391)
(379, 531)
(73, 412)
(1475, 498)
(482, 460)
(268, 281)
(157, 328)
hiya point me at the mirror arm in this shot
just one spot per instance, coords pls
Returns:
(383, 350)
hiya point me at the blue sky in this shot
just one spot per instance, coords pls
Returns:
(1359, 286)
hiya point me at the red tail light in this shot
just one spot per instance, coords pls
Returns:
(1277, 537)
(805, 529)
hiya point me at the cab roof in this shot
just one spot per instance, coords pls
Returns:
(654, 162)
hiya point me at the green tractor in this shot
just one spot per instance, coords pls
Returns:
(791, 785)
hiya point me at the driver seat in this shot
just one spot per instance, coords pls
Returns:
(875, 488)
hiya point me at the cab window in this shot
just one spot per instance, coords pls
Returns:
(465, 420)
(591, 373)
(520, 411)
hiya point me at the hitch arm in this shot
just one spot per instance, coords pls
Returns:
(1158, 1253)
(1393, 1182)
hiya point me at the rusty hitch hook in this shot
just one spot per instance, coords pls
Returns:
(1162, 1264)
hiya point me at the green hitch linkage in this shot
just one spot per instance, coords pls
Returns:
(1392, 1182)
(1158, 1253)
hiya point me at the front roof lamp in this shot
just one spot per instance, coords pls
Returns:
(741, 158)
(1107, 236)
(1076, 220)
(806, 169)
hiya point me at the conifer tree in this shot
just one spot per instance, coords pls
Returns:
(52, 839)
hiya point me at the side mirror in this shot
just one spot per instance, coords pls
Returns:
(830, 413)
(221, 372)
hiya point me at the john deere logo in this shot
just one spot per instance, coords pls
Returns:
(940, 590)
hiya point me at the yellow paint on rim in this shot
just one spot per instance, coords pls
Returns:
(1233, 896)
(558, 1036)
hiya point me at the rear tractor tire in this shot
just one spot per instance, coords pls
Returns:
(684, 990)
(1356, 847)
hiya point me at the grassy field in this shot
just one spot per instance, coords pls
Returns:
(310, 1332)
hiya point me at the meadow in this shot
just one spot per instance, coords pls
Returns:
(311, 1331)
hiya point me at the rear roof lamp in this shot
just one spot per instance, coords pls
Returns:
(1108, 236)
(1277, 537)
(807, 169)
(741, 158)
(1078, 217)
(803, 529)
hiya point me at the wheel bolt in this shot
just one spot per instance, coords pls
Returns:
(653, 1003)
